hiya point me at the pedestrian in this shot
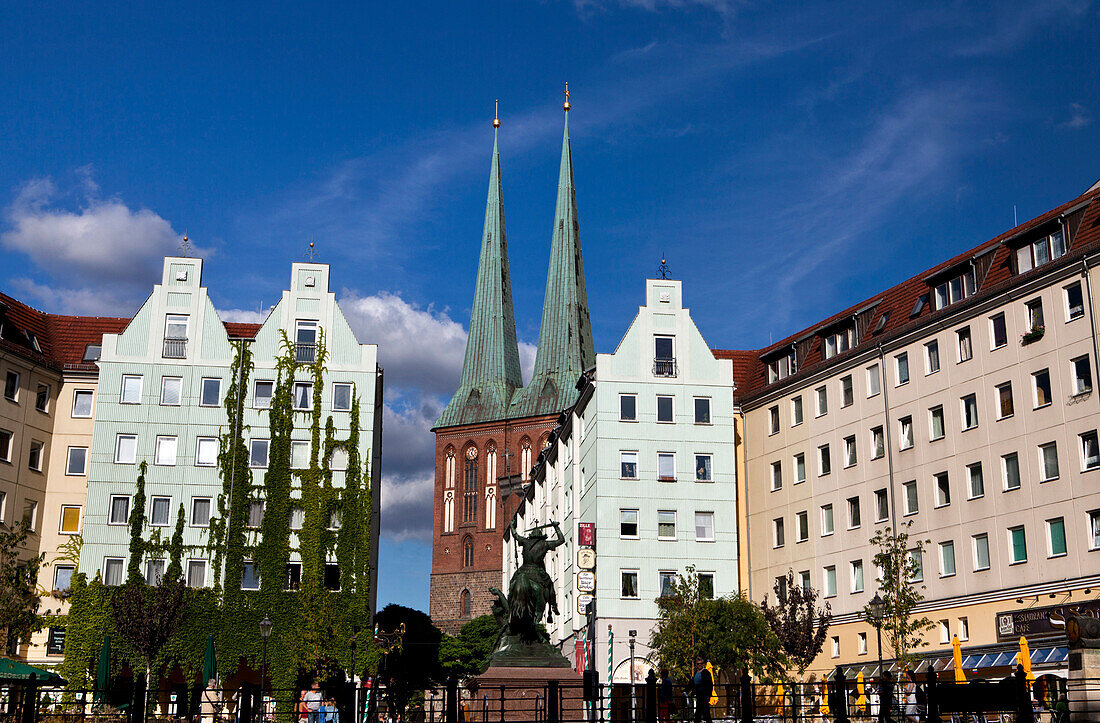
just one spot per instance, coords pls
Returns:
(664, 698)
(702, 685)
(911, 712)
(885, 697)
(312, 700)
(211, 703)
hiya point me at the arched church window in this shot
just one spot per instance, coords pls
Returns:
(464, 603)
(468, 552)
(469, 487)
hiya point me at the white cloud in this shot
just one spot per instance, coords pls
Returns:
(1079, 118)
(244, 316)
(723, 7)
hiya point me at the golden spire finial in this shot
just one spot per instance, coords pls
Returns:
(496, 113)
(565, 106)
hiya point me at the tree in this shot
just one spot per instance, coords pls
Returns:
(18, 583)
(729, 632)
(899, 560)
(146, 617)
(137, 522)
(797, 621)
(175, 549)
(415, 664)
(468, 653)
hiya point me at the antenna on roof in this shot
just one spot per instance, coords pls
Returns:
(310, 254)
(185, 247)
(663, 271)
(1015, 222)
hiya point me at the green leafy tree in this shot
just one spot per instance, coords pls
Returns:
(730, 632)
(175, 548)
(137, 522)
(18, 583)
(415, 664)
(799, 624)
(898, 556)
(147, 617)
(468, 652)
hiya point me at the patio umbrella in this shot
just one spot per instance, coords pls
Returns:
(824, 697)
(103, 670)
(781, 693)
(960, 676)
(861, 693)
(713, 684)
(210, 662)
(1024, 659)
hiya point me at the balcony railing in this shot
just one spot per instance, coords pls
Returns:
(664, 368)
(305, 353)
(175, 348)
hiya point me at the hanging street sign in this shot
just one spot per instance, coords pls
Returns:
(586, 581)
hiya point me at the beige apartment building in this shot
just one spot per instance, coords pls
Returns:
(960, 401)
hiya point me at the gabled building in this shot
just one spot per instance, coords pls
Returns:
(489, 433)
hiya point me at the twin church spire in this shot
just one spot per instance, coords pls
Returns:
(491, 387)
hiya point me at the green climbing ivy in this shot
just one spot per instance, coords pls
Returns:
(137, 522)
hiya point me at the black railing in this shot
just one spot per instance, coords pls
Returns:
(175, 348)
(305, 353)
(665, 368)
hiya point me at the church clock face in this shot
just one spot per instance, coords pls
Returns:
(586, 558)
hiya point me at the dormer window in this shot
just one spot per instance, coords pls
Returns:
(954, 289)
(782, 367)
(839, 342)
(1040, 251)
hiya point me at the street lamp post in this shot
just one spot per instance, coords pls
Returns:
(354, 683)
(265, 632)
(633, 695)
(876, 608)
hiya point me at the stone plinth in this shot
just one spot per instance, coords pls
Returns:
(1083, 689)
(524, 691)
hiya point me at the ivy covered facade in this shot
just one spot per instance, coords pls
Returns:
(258, 454)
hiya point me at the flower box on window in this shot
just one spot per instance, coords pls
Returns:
(1034, 335)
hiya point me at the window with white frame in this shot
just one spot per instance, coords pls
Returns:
(303, 396)
(200, 511)
(250, 576)
(706, 585)
(945, 631)
(782, 367)
(935, 423)
(828, 585)
(1034, 315)
(666, 583)
(826, 520)
(664, 409)
(257, 454)
(901, 369)
(822, 401)
(82, 403)
(912, 504)
(975, 481)
(932, 357)
(1082, 375)
(796, 411)
(1048, 462)
(802, 526)
(77, 461)
(1040, 251)
(882, 506)
(704, 526)
(262, 392)
(628, 523)
(874, 381)
(1017, 545)
(856, 575)
(206, 451)
(878, 443)
(980, 546)
(63, 578)
(159, 511)
(905, 433)
(126, 449)
(916, 566)
(11, 386)
(1075, 302)
(165, 454)
(947, 558)
(799, 468)
(666, 524)
(1056, 537)
(628, 407)
(847, 391)
(69, 524)
(970, 411)
(299, 454)
(954, 289)
(5, 445)
(773, 420)
(777, 475)
(824, 460)
(629, 584)
(1094, 529)
(628, 465)
(965, 344)
(850, 451)
(855, 518)
(704, 468)
(196, 573)
(1010, 471)
(778, 533)
(118, 510)
(1090, 450)
(839, 342)
(171, 391)
(702, 410)
(210, 392)
(666, 466)
(341, 397)
(112, 571)
(1005, 407)
(1040, 385)
(942, 485)
(998, 330)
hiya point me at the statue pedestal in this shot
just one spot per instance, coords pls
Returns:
(1083, 695)
(522, 693)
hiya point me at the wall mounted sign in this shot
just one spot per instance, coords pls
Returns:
(582, 603)
(586, 534)
(586, 581)
(1049, 620)
(586, 558)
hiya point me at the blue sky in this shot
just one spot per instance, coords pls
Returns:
(789, 162)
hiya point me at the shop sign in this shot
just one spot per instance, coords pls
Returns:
(582, 603)
(586, 581)
(1048, 620)
(586, 534)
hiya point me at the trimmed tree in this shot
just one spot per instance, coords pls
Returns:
(900, 558)
(18, 583)
(796, 620)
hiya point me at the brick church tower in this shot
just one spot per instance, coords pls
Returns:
(487, 438)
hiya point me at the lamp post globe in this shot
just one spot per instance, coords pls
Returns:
(265, 632)
(876, 610)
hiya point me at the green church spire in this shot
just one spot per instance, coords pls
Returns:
(491, 370)
(565, 339)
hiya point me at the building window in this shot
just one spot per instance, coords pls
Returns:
(976, 482)
(943, 489)
(666, 466)
(629, 584)
(250, 578)
(255, 514)
(341, 397)
(34, 458)
(666, 524)
(878, 443)
(882, 506)
(1004, 403)
(829, 585)
(702, 410)
(1094, 530)
(932, 357)
(1075, 302)
(305, 340)
(154, 572)
(196, 573)
(1048, 462)
(303, 396)
(824, 462)
(664, 356)
(966, 346)
(980, 543)
(998, 330)
(839, 342)
(954, 289)
(1037, 253)
(468, 551)
(778, 533)
(1082, 375)
(628, 465)
(112, 571)
(1010, 468)
(292, 577)
(165, 454)
(970, 411)
(850, 451)
(773, 420)
(912, 505)
(847, 391)
(947, 559)
(666, 583)
(159, 509)
(854, 516)
(901, 368)
(171, 391)
(77, 462)
(42, 398)
(628, 407)
(916, 566)
(1017, 545)
(703, 468)
(782, 367)
(299, 455)
(131, 390)
(261, 394)
(822, 401)
(802, 525)
(5, 445)
(469, 487)
(1090, 451)
(863, 643)
(206, 451)
(799, 468)
(297, 518)
(1056, 537)
(63, 578)
(125, 449)
(706, 585)
(11, 386)
(628, 524)
(70, 520)
(258, 451)
(905, 433)
(836, 646)
(211, 393)
(664, 409)
(118, 513)
(826, 520)
(1034, 315)
(796, 411)
(935, 418)
(777, 476)
(945, 632)
(82, 404)
(874, 381)
(804, 580)
(1040, 383)
(856, 569)
(200, 511)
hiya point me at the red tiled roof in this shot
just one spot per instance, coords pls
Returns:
(20, 324)
(241, 330)
(898, 302)
(70, 335)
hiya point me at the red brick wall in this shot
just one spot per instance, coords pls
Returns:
(449, 577)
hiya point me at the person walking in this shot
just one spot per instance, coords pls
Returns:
(702, 685)
(885, 697)
(210, 707)
(664, 698)
(312, 700)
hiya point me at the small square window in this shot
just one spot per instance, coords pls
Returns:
(63, 578)
(629, 580)
(118, 513)
(165, 454)
(77, 462)
(171, 391)
(200, 511)
(211, 393)
(159, 509)
(126, 449)
(70, 520)
(206, 451)
(131, 390)
(82, 404)
(258, 452)
(112, 571)
(303, 396)
(628, 408)
(628, 523)
(702, 410)
(703, 468)
(628, 465)
(92, 352)
(341, 397)
(196, 573)
(664, 409)
(261, 395)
